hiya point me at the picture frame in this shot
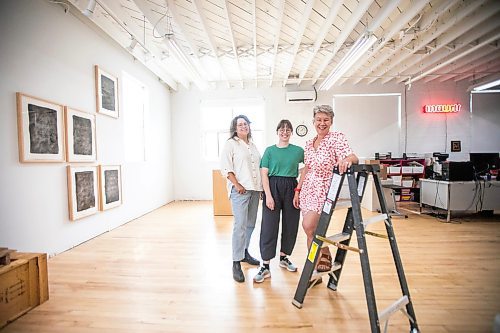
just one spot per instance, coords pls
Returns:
(80, 136)
(83, 194)
(110, 186)
(456, 146)
(40, 130)
(106, 85)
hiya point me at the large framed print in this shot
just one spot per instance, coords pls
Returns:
(40, 129)
(83, 195)
(106, 92)
(80, 136)
(110, 186)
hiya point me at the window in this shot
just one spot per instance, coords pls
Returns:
(216, 118)
(135, 104)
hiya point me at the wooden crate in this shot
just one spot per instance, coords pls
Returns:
(23, 285)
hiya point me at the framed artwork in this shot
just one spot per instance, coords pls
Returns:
(80, 136)
(110, 186)
(40, 129)
(456, 146)
(106, 86)
(82, 191)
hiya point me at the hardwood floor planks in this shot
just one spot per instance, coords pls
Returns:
(170, 271)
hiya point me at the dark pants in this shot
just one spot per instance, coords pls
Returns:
(282, 190)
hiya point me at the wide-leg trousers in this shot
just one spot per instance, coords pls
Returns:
(282, 190)
(244, 208)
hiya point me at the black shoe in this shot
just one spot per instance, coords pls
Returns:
(250, 260)
(237, 272)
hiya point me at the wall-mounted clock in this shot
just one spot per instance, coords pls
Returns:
(301, 130)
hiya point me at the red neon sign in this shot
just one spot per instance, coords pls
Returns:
(442, 108)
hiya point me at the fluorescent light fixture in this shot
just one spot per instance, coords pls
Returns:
(132, 45)
(90, 8)
(359, 48)
(487, 85)
(186, 63)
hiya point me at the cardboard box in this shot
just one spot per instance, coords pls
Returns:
(23, 285)
(372, 162)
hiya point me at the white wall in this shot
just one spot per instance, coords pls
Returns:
(419, 134)
(50, 54)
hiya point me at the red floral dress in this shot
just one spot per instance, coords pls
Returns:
(332, 148)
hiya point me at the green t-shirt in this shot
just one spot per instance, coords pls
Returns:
(282, 162)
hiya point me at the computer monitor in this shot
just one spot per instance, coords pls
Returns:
(484, 162)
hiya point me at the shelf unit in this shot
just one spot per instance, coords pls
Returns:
(406, 173)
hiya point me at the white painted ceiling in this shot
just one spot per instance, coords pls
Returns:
(241, 43)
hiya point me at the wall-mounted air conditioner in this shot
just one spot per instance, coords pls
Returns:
(301, 96)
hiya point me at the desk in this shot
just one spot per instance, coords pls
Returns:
(460, 195)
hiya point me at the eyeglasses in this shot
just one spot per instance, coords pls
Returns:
(285, 130)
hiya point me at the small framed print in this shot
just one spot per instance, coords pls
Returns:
(456, 146)
(106, 86)
(40, 126)
(82, 191)
(110, 186)
(80, 136)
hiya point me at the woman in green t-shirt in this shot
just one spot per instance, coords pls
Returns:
(279, 169)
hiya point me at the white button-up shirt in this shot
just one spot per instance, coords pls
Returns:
(243, 160)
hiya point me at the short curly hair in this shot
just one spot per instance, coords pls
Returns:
(326, 109)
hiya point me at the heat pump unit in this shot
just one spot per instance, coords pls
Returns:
(301, 96)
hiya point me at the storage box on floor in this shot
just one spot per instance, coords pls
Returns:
(23, 285)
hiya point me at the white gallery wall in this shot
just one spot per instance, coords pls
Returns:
(417, 133)
(51, 54)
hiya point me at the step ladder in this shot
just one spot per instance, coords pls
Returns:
(356, 177)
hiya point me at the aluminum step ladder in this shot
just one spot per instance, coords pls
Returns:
(356, 177)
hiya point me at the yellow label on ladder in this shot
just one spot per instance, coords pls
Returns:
(312, 252)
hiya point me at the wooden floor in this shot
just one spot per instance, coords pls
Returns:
(170, 271)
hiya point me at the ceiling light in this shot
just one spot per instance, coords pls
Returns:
(183, 59)
(359, 48)
(90, 8)
(487, 85)
(132, 45)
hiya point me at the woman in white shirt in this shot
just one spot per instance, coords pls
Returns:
(240, 161)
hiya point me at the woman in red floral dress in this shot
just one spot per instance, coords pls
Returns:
(321, 154)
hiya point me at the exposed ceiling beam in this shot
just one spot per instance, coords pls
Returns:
(483, 64)
(231, 37)
(325, 28)
(211, 43)
(427, 36)
(472, 31)
(254, 33)
(298, 38)
(354, 19)
(279, 20)
(484, 42)
(402, 20)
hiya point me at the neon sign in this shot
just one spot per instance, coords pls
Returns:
(442, 108)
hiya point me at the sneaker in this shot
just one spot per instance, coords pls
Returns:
(286, 263)
(250, 260)
(263, 273)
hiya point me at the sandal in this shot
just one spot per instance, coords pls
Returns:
(325, 263)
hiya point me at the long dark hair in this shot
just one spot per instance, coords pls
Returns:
(234, 126)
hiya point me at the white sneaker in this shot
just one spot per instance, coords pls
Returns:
(263, 274)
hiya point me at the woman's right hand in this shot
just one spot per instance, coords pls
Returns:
(240, 189)
(270, 202)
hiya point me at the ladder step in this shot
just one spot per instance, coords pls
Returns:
(376, 218)
(343, 203)
(335, 267)
(338, 237)
(398, 305)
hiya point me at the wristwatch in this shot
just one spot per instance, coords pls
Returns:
(301, 130)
